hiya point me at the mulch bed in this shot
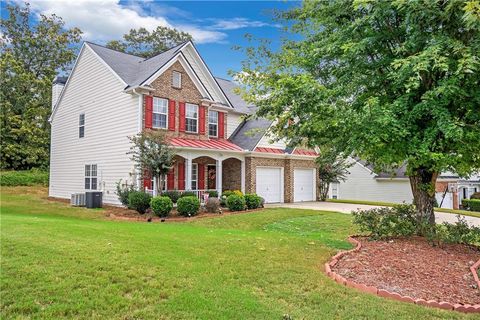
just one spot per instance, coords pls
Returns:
(412, 267)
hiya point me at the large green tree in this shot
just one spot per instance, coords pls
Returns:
(144, 43)
(388, 81)
(31, 54)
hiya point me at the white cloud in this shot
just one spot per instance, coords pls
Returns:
(237, 23)
(106, 20)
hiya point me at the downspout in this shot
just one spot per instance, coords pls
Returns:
(139, 130)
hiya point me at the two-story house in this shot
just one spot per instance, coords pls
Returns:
(110, 96)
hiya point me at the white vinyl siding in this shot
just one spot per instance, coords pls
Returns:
(112, 118)
(268, 142)
(160, 113)
(362, 185)
(233, 121)
(191, 118)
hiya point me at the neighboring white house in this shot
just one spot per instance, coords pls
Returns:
(364, 184)
(110, 96)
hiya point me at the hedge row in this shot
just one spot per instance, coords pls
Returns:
(471, 204)
(24, 178)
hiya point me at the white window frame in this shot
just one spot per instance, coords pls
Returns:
(194, 180)
(163, 179)
(213, 124)
(91, 173)
(179, 84)
(191, 118)
(81, 125)
(156, 101)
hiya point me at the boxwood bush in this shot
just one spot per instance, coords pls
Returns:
(188, 206)
(139, 201)
(236, 202)
(471, 204)
(253, 201)
(188, 194)
(161, 206)
(212, 193)
(123, 191)
(383, 223)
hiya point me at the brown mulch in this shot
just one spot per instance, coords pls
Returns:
(412, 267)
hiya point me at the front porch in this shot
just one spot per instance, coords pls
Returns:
(202, 171)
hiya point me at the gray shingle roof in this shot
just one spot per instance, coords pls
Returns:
(236, 100)
(249, 133)
(133, 69)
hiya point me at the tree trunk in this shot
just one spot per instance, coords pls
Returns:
(422, 182)
(324, 186)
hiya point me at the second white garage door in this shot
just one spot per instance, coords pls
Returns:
(270, 184)
(304, 185)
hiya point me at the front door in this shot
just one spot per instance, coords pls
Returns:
(211, 177)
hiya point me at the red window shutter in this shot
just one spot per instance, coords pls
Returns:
(201, 176)
(147, 180)
(221, 125)
(181, 125)
(171, 179)
(201, 124)
(181, 176)
(171, 115)
(148, 111)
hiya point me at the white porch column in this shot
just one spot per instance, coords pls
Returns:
(188, 173)
(242, 175)
(219, 176)
(154, 193)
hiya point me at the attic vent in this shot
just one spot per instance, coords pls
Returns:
(176, 79)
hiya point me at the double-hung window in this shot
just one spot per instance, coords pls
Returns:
(91, 177)
(194, 176)
(160, 110)
(191, 118)
(213, 123)
(81, 125)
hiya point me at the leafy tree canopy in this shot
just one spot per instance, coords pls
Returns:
(389, 81)
(332, 167)
(31, 54)
(141, 42)
(152, 154)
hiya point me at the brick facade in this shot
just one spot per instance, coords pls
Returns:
(231, 177)
(251, 164)
(188, 93)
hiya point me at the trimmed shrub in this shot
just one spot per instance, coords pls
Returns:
(123, 191)
(471, 204)
(236, 202)
(24, 178)
(228, 193)
(188, 194)
(174, 195)
(188, 206)
(253, 201)
(212, 205)
(139, 201)
(212, 193)
(161, 206)
(262, 202)
(458, 232)
(383, 223)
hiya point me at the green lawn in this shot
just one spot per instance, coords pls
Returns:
(62, 262)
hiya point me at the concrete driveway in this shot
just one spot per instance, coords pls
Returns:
(349, 207)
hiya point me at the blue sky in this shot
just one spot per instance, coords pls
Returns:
(215, 25)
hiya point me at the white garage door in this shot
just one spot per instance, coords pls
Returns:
(447, 200)
(270, 184)
(304, 185)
